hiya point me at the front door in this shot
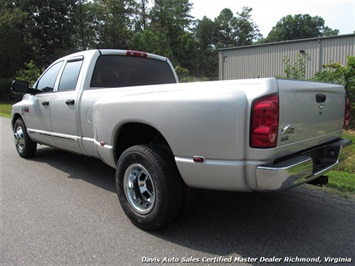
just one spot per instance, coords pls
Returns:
(37, 114)
(37, 117)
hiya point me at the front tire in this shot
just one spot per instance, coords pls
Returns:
(149, 186)
(25, 146)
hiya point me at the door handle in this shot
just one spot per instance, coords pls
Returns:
(45, 103)
(70, 102)
(321, 98)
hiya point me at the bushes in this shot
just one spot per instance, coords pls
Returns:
(298, 69)
(337, 73)
(5, 94)
(30, 73)
(345, 75)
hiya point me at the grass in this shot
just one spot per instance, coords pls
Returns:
(341, 180)
(5, 110)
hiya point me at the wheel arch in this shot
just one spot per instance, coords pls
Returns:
(135, 133)
(14, 118)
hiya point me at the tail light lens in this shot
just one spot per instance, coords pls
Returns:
(347, 112)
(264, 122)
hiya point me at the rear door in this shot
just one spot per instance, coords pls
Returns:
(310, 114)
(64, 107)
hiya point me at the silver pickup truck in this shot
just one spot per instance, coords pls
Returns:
(163, 138)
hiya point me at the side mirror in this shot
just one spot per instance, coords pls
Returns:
(20, 86)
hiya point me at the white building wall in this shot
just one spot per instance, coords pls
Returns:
(266, 60)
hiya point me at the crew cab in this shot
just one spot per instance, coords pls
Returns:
(165, 138)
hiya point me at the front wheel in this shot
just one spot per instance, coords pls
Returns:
(25, 146)
(149, 186)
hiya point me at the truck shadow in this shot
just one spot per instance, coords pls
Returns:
(81, 167)
(300, 222)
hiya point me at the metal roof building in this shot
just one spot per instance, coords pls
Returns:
(266, 60)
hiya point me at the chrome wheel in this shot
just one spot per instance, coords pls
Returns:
(25, 147)
(19, 138)
(149, 186)
(139, 188)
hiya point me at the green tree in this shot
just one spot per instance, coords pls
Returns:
(87, 24)
(152, 42)
(225, 30)
(171, 18)
(247, 31)
(12, 40)
(204, 33)
(186, 51)
(235, 30)
(30, 73)
(171, 14)
(13, 48)
(141, 16)
(299, 26)
(115, 29)
(49, 28)
(207, 54)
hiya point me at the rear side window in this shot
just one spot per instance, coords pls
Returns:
(70, 76)
(125, 71)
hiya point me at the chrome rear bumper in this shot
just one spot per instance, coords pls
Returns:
(302, 168)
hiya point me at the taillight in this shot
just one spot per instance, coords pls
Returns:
(347, 112)
(136, 53)
(264, 122)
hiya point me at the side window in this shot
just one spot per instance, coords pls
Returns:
(70, 76)
(47, 81)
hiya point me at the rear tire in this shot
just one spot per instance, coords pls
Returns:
(25, 146)
(149, 186)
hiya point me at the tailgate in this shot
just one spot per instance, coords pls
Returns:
(311, 114)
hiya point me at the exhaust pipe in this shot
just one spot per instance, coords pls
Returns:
(319, 181)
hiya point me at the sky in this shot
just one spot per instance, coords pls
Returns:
(338, 14)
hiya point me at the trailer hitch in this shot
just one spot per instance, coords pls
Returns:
(319, 181)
